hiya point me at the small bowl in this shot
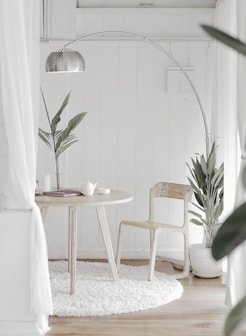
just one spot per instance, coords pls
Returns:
(104, 191)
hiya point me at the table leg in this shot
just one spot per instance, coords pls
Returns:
(72, 253)
(44, 211)
(107, 240)
(70, 212)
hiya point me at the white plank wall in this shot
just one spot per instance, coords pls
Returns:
(137, 131)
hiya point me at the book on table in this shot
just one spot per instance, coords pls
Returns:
(63, 193)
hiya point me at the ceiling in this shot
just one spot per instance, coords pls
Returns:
(146, 3)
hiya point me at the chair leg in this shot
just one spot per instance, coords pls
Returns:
(151, 236)
(186, 268)
(186, 255)
(118, 253)
(154, 238)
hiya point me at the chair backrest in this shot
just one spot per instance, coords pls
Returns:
(170, 190)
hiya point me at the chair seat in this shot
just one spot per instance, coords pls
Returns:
(153, 225)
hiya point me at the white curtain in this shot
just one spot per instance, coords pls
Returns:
(19, 106)
(231, 84)
(224, 119)
(237, 261)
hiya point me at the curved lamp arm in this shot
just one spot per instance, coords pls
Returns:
(66, 60)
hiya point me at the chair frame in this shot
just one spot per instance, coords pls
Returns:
(164, 190)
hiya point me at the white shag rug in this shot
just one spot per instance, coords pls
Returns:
(98, 294)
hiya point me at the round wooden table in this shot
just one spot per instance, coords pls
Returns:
(73, 202)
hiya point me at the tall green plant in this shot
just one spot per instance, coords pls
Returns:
(208, 187)
(233, 231)
(59, 140)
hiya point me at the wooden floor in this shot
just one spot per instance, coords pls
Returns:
(200, 311)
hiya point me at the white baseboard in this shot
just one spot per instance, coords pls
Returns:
(26, 328)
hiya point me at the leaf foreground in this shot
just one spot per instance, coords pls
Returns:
(231, 234)
(227, 39)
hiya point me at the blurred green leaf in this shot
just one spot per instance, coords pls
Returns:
(225, 38)
(235, 317)
(231, 233)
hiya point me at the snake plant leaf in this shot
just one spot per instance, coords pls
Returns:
(231, 233)
(192, 171)
(221, 194)
(195, 214)
(195, 221)
(200, 199)
(68, 144)
(219, 209)
(72, 124)
(57, 134)
(45, 136)
(204, 165)
(57, 117)
(228, 40)
(71, 139)
(218, 178)
(201, 208)
(201, 176)
(235, 317)
(195, 188)
(211, 159)
(197, 172)
(197, 193)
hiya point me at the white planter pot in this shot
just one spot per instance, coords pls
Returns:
(202, 263)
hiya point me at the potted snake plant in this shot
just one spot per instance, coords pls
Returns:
(207, 182)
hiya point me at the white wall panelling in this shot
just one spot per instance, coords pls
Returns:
(136, 132)
(152, 3)
(17, 317)
(168, 22)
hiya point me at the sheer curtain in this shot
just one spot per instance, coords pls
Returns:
(19, 106)
(231, 84)
(237, 260)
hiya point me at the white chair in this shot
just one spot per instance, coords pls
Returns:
(171, 191)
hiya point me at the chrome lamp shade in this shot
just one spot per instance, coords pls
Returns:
(65, 60)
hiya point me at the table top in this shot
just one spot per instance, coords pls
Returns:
(114, 197)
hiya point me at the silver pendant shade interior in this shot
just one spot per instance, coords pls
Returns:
(65, 60)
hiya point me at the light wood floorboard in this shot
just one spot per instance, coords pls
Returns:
(200, 311)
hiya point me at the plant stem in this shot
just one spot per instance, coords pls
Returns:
(57, 173)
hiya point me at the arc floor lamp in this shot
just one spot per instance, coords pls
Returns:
(68, 60)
